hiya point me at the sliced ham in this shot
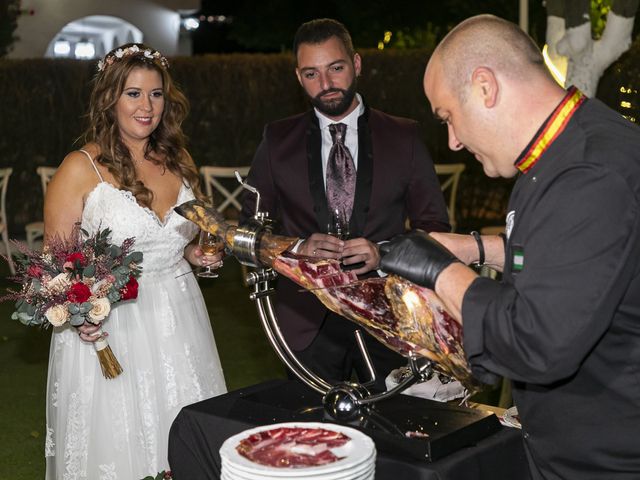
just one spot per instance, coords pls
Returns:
(290, 447)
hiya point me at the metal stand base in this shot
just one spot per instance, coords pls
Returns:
(401, 425)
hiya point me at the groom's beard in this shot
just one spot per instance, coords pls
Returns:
(337, 106)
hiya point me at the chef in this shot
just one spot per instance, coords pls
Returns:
(564, 322)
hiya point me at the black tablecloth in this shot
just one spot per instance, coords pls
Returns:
(200, 429)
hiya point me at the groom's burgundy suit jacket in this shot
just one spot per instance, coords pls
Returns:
(396, 180)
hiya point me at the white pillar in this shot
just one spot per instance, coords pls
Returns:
(524, 15)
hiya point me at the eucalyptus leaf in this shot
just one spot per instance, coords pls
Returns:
(114, 251)
(89, 271)
(76, 320)
(38, 319)
(73, 308)
(30, 310)
(135, 257)
(85, 307)
(24, 308)
(122, 271)
(36, 284)
(25, 319)
(113, 296)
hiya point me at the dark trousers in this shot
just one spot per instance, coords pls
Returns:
(334, 354)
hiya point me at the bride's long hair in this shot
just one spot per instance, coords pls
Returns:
(167, 143)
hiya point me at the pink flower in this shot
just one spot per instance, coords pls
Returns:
(78, 293)
(34, 271)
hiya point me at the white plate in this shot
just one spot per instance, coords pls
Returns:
(368, 473)
(360, 471)
(358, 451)
(348, 475)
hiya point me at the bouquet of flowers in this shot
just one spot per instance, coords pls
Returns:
(76, 280)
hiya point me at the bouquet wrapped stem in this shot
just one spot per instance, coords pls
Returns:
(108, 362)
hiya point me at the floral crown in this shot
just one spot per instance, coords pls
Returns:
(120, 53)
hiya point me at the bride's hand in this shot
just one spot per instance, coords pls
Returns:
(87, 332)
(194, 255)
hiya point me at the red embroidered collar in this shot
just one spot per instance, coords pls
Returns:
(550, 129)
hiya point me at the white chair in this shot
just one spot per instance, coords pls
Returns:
(223, 198)
(451, 173)
(215, 190)
(5, 173)
(35, 230)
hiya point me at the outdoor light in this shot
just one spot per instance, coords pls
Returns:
(191, 23)
(557, 71)
(61, 48)
(85, 49)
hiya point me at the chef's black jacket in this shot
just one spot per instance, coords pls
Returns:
(564, 324)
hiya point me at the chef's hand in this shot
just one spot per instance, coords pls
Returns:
(417, 257)
(359, 250)
(322, 245)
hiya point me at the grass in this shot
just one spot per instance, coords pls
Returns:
(246, 358)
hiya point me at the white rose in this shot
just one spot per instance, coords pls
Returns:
(119, 53)
(101, 308)
(98, 286)
(59, 283)
(57, 315)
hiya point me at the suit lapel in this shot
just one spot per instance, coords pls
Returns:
(314, 162)
(364, 178)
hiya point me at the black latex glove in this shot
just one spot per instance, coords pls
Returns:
(415, 256)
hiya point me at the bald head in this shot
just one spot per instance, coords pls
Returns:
(491, 42)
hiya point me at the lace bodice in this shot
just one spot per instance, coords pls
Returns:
(161, 242)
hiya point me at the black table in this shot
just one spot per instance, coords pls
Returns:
(200, 429)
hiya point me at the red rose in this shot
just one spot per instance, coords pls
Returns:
(77, 256)
(78, 293)
(130, 290)
(34, 271)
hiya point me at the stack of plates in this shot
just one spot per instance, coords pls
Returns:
(357, 458)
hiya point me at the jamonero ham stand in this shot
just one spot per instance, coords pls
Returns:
(421, 428)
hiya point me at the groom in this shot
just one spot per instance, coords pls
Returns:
(345, 155)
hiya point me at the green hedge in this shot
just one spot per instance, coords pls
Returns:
(43, 101)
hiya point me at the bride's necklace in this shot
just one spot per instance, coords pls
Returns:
(136, 160)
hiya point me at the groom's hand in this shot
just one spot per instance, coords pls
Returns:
(417, 257)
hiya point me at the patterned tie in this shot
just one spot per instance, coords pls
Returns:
(341, 173)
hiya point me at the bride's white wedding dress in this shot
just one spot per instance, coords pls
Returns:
(100, 429)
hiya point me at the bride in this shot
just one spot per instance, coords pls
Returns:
(128, 177)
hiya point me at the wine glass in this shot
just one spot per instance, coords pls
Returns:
(338, 225)
(210, 244)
